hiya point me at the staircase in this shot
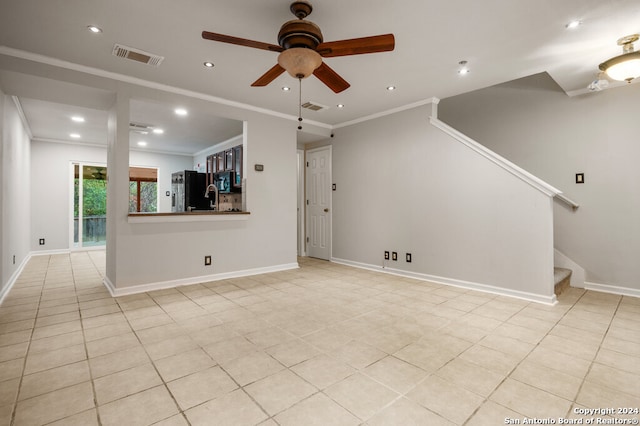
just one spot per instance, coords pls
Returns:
(561, 278)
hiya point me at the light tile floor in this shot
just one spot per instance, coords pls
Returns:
(321, 345)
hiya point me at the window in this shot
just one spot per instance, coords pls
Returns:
(143, 190)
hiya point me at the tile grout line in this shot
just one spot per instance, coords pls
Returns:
(26, 354)
(164, 383)
(593, 361)
(86, 349)
(488, 397)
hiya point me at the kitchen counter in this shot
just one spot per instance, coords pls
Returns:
(194, 216)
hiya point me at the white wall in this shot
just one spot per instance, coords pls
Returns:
(15, 154)
(534, 124)
(4, 284)
(404, 185)
(51, 190)
(169, 252)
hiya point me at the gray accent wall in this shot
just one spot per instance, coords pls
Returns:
(533, 123)
(404, 185)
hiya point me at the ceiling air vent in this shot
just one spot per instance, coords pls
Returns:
(140, 128)
(137, 55)
(313, 106)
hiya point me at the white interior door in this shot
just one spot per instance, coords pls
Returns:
(319, 203)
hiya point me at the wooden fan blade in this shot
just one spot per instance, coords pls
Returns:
(269, 76)
(331, 78)
(357, 46)
(240, 41)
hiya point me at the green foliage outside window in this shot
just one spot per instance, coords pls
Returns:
(94, 197)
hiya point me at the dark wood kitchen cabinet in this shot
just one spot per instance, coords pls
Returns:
(223, 161)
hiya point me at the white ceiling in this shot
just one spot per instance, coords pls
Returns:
(502, 40)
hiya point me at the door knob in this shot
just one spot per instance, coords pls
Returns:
(326, 210)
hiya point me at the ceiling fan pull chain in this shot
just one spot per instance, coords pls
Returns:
(300, 103)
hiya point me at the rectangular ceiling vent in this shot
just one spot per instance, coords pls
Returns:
(313, 106)
(137, 55)
(140, 128)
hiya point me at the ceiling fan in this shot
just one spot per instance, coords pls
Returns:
(301, 47)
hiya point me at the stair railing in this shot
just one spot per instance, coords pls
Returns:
(574, 206)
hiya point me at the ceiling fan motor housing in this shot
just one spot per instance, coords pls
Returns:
(299, 33)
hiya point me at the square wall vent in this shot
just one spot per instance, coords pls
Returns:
(137, 55)
(314, 106)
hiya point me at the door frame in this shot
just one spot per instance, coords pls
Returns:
(301, 213)
(81, 246)
(329, 231)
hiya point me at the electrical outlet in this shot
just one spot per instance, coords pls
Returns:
(386, 255)
(207, 261)
(41, 242)
(408, 257)
(394, 256)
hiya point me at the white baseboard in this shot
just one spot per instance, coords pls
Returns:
(50, 252)
(612, 289)
(143, 288)
(548, 300)
(109, 285)
(14, 277)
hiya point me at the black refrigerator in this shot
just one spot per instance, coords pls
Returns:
(187, 191)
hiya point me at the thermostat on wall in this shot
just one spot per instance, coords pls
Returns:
(259, 167)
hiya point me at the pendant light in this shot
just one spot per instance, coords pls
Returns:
(625, 67)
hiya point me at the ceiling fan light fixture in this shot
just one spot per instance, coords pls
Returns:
(625, 67)
(299, 62)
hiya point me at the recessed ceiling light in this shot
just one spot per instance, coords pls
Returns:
(74, 135)
(286, 89)
(158, 131)
(181, 111)
(142, 143)
(340, 105)
(390, 88)
(208, 64)
(77, 119)
(94, 29)
(573, 24)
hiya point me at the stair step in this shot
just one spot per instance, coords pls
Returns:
(562, 279)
